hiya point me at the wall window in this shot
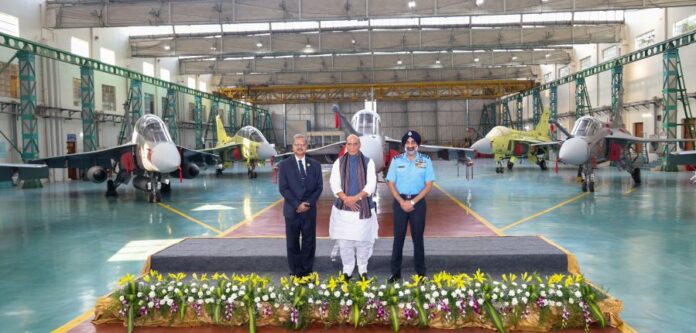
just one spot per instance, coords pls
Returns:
(108, 97)
(164, 74)
(148, 69)
(645, 39)
(684, 26)
(563, 71)
(191, 82)
(79, 46)
(9, 24)
(148, 103)
(585, 63)
(76, 94)
(107, 56)
(9, 81)
(202, 86)
(548, 77)
(610, 52)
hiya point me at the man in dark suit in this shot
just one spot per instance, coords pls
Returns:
(300, 183)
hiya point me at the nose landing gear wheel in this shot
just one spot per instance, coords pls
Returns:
(111, 189)
(510, 165)
(591, 186)
(584, 186)
(542, 165)
(636, 175)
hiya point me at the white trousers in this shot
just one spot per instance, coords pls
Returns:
(350, 250)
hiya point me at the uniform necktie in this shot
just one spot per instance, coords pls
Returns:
(303, 174)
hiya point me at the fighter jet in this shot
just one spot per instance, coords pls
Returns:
(247, 145)
(366, 124)
(151, 156)
(593, 141)
(509, 144)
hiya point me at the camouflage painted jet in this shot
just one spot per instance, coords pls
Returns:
(247, 145)
(509, 144)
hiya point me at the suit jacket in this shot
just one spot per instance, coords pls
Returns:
(295, 191)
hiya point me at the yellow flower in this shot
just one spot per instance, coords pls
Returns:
(569, 281)
(579, 278)
(441, 277)
(479, 276)
(416, 278)
(146, 278)
(194, 276)
(526, 277)
(153, 273)
(344, 287)
(204, 277)
(513, 277)
(556, 278)
(159, 277)
(216, 276)
(241, 278)
(364, 284)
(126, 279)
(284, 283)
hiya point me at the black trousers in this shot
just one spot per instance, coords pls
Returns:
(301, 257)
(416, 219)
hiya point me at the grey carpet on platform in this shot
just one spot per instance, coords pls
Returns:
(495, 255)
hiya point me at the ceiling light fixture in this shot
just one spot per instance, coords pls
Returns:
(411, 4)
(514, 58)
(476, 59)
(309, 46)
(437, 61)
(547, 55)
(352, 41)
(399, 62)
(259, 44)
(479, 2)
(167, 47)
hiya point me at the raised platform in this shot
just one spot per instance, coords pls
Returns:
(492, 254)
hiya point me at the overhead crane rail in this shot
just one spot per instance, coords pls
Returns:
(289, 94)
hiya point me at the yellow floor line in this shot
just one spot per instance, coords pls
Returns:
(251, 218)
(518, 222)
(472, 212)
(73, 323)
(175, 211)
(630, 191)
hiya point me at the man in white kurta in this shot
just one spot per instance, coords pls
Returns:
(353, 222)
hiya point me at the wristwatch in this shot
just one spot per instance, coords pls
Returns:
(413, 203)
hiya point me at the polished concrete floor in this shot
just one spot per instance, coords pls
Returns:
(64, 245)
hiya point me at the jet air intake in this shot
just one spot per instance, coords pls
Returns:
(96, 174)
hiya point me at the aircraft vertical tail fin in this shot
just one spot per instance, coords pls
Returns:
(220, 127)
(543, 126)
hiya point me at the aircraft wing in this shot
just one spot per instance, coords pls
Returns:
(102, 158)
(682, 157)
(219, 150)
(25, 171)
(198, 156)
(547, 144)
(441, 151)
(324, 154)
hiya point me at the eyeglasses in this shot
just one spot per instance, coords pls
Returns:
(299, 144)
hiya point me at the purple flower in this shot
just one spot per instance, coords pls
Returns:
(294, 316)
(228, 311)
(143, 311)
(198, 308)
(174, 308)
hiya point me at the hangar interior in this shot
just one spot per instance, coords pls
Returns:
(73, 74)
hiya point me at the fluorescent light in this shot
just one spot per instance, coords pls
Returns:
(437, 61)
(399, 62)
(479, 2)
(411, 4)
(514, 58)
(308, 46)
(352, 41)
(259, 44)
(547, 55)
(167, 47)
(476, 59)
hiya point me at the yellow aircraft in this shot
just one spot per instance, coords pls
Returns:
(509, 144)
(247, 145)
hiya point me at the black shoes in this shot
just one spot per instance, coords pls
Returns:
(347, 277)
(394, 278)
(364, 277)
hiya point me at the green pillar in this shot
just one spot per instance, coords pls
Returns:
(582, 98)
(169, 116)
(211, 122)
(232, 118)
(553, 108)
(134, 110)
(507, 116)
(537, 106)
(246, 116)
(198, 119)
(617, 93)
(27, 97)
(520, 113)
(486, 123)
(673, 94)
(89, 130)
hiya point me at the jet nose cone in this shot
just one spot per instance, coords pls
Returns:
(165, 157)
(483, 146)
(574, 151)
(266, 151)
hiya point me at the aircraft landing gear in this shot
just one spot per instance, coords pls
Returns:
(499, 167)
(510, 165)
(578, 178)
(542, 165)
(111, 189)
(166, 186)
(587, 178)
(251, 171)
(154, 186)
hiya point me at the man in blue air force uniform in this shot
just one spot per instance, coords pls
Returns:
(410, 178)
(300, 183)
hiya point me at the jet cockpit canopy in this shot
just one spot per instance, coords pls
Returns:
(586, 126)
(152, 129)
(366, 122)
(251, 133)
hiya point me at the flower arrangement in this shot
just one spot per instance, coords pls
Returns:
(444, 301)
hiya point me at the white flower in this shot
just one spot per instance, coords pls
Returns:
(480, 301)
(150, 304)
(273, 295)
(478, 285)
(407, 292)
(209, 300)
(524, 300)
(207, 293)
(121, 298)
(511, 293)
(401, 305)
(543, 293)
(343, 302)
(578, 294)
(397, 286)
(379, 293)
(526, 294)
(471, 303)
(495, 290)
(504, 287)
(190, 299)
(193, 290)
(170, 288)
(257, 299)
(494, 297)
(426, 306)
(401, 294)
(223, 297)
(408, 305)
(200, 301)
(559, 293)
(265, 298)
(422, 288)
(140, 294)
(349, 302)
(322, 286)
(436, 294)
(235, 288)
(242, 292)
(170, 302)
(470, 292)
(326, 293)
(514, 301)
(230, 301)
(179, 284)
(446, 301)
(571, 300)
(384, 303)
(317, 302)
(311, 286)
(200, 294)
(337, 293)
(432, 288)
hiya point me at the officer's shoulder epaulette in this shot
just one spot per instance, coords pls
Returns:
(425, 156)
(399, 156)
